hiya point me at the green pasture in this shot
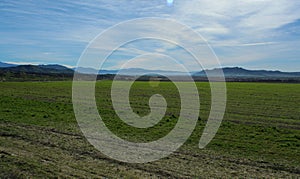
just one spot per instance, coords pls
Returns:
(259, 136)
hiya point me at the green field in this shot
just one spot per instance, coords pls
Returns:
(259, 136)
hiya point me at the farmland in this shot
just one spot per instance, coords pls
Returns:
(259, 136)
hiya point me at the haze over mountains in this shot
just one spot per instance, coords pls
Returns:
(4, 65)
(229, 72)
(241, 72)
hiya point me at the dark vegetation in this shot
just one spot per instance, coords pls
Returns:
(36, 73)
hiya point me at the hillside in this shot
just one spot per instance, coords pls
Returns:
(5, 65)
(35, 73)
(244, 73)
(11, 72)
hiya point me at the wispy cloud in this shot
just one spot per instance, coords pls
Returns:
(236, 44)
(58, 31)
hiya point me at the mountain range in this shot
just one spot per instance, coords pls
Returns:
(128, 71)
(229, 72)
(35, 69)
(237, 72)
(5, 65)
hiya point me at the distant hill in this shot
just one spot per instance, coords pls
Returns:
(11, 72)
(232, 72)
(35, 73)
(128, 71)
(56, 67)
(5, 65)
(94, 71)
(237, 72)
(38, 69)
(140, 71)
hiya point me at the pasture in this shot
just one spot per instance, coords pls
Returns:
(259, 136)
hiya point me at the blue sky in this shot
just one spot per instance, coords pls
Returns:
(255, 34)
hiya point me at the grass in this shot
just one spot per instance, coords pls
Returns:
(259, 136)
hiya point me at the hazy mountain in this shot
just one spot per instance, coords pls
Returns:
(128, 71)
(85, 70)
(55, 67)
(237, 72)
(229, 72)
(140, 71)
(5, 65)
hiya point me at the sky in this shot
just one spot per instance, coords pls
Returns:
(254, 34)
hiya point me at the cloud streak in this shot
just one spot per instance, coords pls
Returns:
(62, 29)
